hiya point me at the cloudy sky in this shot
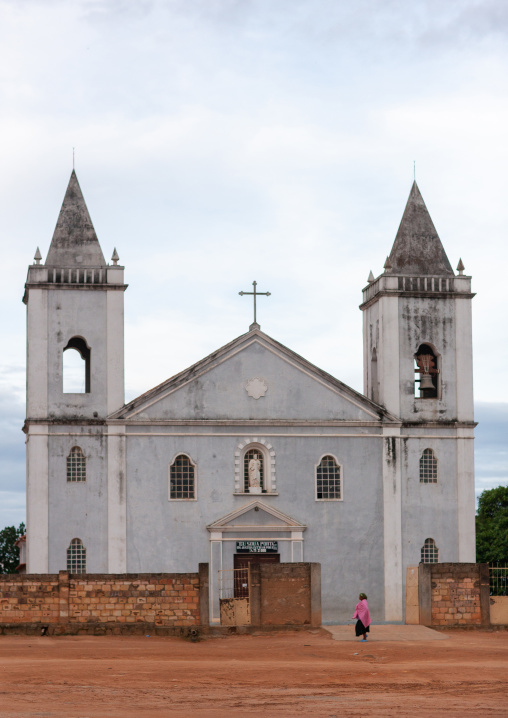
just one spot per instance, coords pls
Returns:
(222, 141)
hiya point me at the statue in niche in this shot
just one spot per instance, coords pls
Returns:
(255, 475)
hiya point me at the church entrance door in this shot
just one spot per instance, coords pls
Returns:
(243, 561)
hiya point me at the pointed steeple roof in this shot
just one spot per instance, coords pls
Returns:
(417, 249)
(74, 242)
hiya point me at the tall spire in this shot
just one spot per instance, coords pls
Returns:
(74, 241)
(417, 249)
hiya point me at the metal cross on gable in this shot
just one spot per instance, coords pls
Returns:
(255, 294)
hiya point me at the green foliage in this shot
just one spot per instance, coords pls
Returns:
(9, 553)
(492, 526)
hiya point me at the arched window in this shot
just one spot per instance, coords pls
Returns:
(182, 478)
(76, 465)
(429, 552)
(427, 372)
(428, 467)
(76, 557)
(328, 480)
(76, 367)
(254, 474)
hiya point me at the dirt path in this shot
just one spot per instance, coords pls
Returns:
(300, 674)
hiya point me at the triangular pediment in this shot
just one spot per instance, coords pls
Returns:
(253, 378)
(256, 514)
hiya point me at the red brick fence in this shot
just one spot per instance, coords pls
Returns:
(282, 595)
(449, 594)
(75, 603)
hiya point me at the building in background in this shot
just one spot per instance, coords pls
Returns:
(253, 453)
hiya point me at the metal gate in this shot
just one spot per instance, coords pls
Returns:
(234, 596)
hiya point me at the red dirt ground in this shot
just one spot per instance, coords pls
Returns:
(283, 674)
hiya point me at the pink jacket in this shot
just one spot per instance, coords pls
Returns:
(362, 612)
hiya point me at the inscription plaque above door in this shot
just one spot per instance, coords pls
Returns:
(257, 546)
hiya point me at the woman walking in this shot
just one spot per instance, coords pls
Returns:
(363, 615)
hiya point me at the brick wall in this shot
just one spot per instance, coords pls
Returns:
(29, 598)
(163, 599)
(454, 594)
(286, 594)
(159, 599)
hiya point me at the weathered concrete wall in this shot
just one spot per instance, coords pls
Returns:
(285, 594)
(164, 534)
(454, 594)
(77, 509)
(216, 395)
(157, 599)
(429, 509)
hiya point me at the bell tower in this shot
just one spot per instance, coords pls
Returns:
(418, 359)
(74, 312)
(418, 365)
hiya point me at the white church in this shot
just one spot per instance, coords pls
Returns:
(253, 453)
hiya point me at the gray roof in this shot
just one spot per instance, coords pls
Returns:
(74, 242)
(417, 249)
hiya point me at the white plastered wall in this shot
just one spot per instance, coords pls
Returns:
(388, 354)
(465, 495)
(37, 509)
(464, 359)
(115, 351)
(392, 528)
(465, 412)
(37, 355)
(117, 501)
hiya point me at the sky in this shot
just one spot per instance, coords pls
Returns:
(219, 142)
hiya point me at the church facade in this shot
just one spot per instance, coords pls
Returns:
(253, 453)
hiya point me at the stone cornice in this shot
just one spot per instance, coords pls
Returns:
(419, 295)
(439, 424)
(256, 425)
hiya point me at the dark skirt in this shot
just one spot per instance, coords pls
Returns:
(360, 628)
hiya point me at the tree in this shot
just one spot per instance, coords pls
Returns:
(492, 526)
(9, 553)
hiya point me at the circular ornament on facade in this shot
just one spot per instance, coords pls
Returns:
(256, 387)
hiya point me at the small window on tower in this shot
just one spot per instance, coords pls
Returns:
(429, 552)
(76, 557)
(76, 367)
(76, 465)
(427, 373)
(428, 467)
